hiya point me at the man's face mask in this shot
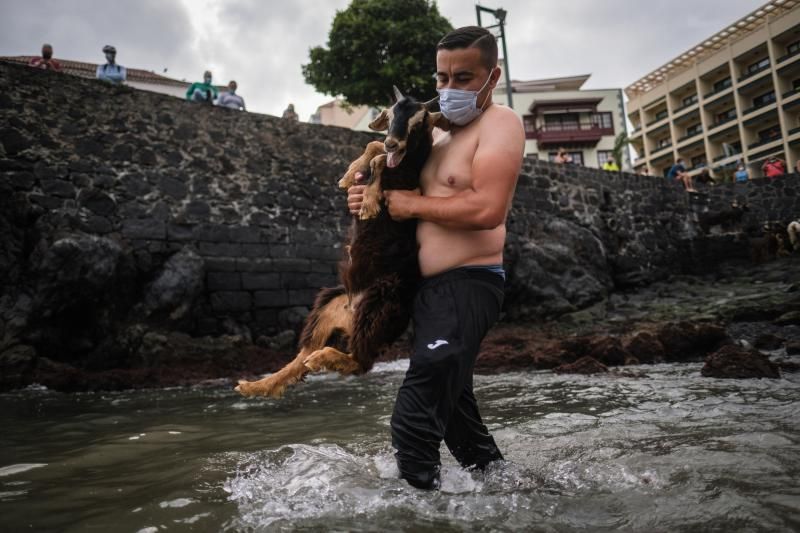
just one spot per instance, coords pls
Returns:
(207, 79)
(110, 57)
(47, 53)
(461, 107)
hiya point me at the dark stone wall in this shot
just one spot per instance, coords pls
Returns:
(90, 171)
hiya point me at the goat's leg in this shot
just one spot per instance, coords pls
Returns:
(361, 164)
(275, 384)
(331, 359)
(373, 194)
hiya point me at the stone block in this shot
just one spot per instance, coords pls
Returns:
(221, 264)
(246, 234)
(144, 229)
(271, 298)
(180, 232)
(228, 301)
(255, 250)
(254, 265)
(291, 265)
(223, 281)
(212, 233)
(261, 280)
(220, 249)
(57, 187)
(302, 296)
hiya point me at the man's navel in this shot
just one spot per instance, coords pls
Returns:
(451, 180)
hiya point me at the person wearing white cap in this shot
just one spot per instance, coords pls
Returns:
(111, 72)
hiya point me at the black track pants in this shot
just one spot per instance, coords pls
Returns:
(452, 313)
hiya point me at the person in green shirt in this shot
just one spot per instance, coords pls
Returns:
(202, 92)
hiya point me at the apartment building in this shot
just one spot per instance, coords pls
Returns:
(559, 112)
(734, 97)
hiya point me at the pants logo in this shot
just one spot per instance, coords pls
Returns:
(438, 342)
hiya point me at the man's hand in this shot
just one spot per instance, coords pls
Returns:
(400, 203)
(355, 195)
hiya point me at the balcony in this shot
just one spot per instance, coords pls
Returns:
(684, 107)
(555, 134)
(762, 142)
(757, 107)
(719, 90)
(754, 72)
(722, 121)
(690, 135)
(725, 156)
(787, 56)
(793, 131)
(659, 149)
(791, 92)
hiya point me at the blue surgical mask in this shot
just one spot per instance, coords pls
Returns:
(459, 106)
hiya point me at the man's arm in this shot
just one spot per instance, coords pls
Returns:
(495, 167)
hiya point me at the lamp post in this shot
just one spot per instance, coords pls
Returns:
(500, 17)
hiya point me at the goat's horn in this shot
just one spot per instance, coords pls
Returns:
(430, 102)
(397, 94)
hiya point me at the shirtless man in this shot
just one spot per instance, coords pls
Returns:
(467, 186)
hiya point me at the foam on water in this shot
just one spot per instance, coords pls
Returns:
(19, 468)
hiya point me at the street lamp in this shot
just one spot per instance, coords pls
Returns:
(500, 17)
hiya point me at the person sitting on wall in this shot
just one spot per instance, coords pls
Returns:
(289, 113)
(611, 165)
(230, 99)
(46, 61)
(562, 157)
(678, 172)
(111, 72)
(741, 175)
(202, 92)
(773, 167)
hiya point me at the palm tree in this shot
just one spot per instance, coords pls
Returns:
(620, 142)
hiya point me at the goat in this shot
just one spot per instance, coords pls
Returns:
(793, 229)
(350, 325)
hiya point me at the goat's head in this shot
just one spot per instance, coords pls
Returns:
(402, 121)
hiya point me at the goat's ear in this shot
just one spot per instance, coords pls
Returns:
(437, 120)
(381, 122)
(397, 94)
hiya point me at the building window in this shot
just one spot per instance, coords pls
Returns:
(603, 156)
(661, 114)
(689, 100)
(699, 161)
(769, 134)
(577, 157)
(793, 48)
(726, 115)
(694, 129)
(796, 84)
(764, 99)
(761, 64)
(560, 122)
(530, 125)
(603, 120)
(663, 142)
(721, 85)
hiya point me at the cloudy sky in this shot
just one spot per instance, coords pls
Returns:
(263, 43)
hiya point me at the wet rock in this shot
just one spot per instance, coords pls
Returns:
(793, 348)
(788, 318)
(177, 286)
(609, 351)
(283, 341)
(584, 365)
(788, 366)
(16, 365)
(685, 341)
(768, 341)
(645, 347)
(732, 361)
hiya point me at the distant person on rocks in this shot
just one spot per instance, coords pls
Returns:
(46, 61)
(773, 167)
(678, 172)
(230, 99)
(111, 72)
(289, 113)
(202, 91)
(562, 157)
(611, 165)
(741, 175)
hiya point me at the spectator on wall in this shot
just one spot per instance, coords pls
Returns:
(230, 99)
(562, 157)
(289, 113)
(46, 60)
(797, 167)
(773, 167)
(678, 172)
(202, 91)
(111, 72)
(741, 175)
(646, 171)
(611, 165)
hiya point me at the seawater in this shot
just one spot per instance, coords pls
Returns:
(670, 451)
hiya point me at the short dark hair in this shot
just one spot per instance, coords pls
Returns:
(472, 37)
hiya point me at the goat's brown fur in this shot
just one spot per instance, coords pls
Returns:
(349, 326)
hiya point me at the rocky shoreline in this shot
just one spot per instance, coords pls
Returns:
(725, 318)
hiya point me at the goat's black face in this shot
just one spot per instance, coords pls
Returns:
(400, 120)
(406, 120)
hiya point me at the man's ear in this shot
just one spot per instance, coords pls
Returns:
(381, 122)
(437, 120)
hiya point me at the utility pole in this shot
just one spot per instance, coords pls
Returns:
(500, 17)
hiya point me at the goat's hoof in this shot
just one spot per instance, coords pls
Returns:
(250, 389)
(347, 181)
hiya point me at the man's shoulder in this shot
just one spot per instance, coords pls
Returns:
(500, 118)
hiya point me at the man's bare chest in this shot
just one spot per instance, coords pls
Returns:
(449, 167)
